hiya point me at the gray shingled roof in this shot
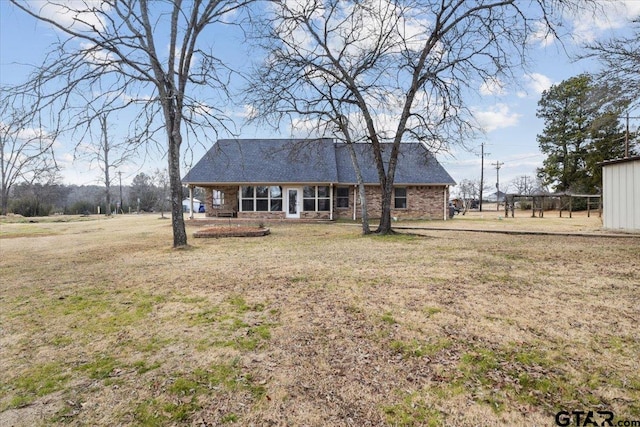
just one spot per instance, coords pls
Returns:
(266, 161)
(307, 161)
(415, 165)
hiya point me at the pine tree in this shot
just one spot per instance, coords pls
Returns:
(582, 128)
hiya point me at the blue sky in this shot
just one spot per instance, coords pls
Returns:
(507, 112)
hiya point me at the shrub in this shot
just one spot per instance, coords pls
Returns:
(30, 206)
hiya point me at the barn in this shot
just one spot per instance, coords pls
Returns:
(621, 194)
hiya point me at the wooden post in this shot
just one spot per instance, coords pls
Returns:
(600, 206)
(570, 205)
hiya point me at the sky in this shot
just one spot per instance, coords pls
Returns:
(507, 112)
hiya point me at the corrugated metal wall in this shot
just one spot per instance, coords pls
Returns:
(621, 195)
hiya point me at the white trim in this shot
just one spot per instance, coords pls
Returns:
(331, 201)
(299, 196)
(355, 209)
(191, 202)
(446, 204)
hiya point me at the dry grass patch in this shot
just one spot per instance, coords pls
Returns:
(104, 324)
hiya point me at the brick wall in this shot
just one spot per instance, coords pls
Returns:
(423, 202)
(230, 199)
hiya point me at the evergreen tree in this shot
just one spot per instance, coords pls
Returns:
(582, 128)
(144, 194)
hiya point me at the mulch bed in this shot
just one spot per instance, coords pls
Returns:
(232, 232)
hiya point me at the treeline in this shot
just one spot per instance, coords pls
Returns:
(56, 198)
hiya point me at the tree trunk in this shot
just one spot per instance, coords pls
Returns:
(4, 191)
(365, 212)
(175, 184)
(385, 214)
(105, 149)
(361, 189)
(4, 200)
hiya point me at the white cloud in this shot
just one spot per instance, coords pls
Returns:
(542, 36)
(497, 117)
(537, 83)
(493, 86)
(79, 15)
(94, 54)
(248, 112)
(588, 26)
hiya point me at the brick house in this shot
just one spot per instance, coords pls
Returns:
(314, 179)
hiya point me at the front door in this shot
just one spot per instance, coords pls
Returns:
(294, 202)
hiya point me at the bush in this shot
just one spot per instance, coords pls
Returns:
(80, 208)
(30, 206)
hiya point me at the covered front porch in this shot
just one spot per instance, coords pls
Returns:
(267, 202)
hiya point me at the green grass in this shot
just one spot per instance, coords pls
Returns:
(188, 389)
(232, 328)
(101, 367)
(431, 311)
(37, 381)
(412, 410)
(418, 348)
(388, 318)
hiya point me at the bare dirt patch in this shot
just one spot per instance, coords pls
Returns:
(103, 324)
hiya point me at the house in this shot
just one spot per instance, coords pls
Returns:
(621, 194)
(314, 179)
(498, 196)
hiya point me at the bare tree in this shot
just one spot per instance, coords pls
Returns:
(26, 153)
(396, 70)
(523, 184)
(620, 58)
(468, 190)
(161, 180)
(141, 55)
(106, 153)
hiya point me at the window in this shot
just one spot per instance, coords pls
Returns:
(261, 198)
(275, 199)
(247, 198)
(309, 198)
(218, 198)
(400, 198)
(342, 197)
(316, 198)
(324, 199)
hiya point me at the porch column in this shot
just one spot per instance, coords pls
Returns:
(355, 199)
(331, 201)
(446, 204)
(190, 202)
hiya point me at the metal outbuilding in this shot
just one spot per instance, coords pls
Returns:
(621, 194)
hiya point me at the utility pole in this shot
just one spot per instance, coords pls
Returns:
(498, 165)
(482, 154)
(121, 205)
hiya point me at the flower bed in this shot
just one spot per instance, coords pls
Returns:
(232, 232)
